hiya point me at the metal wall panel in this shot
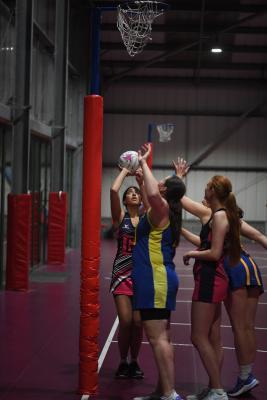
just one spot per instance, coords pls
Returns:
(250, 190)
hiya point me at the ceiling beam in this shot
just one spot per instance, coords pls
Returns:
(194, 5)
(181, 49)
(173, 45)
(189, 81)
(178, 64)
(181, 27)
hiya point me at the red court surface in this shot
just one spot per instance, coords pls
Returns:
(39, 337)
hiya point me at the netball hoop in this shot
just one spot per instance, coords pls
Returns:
(165, 132)
(135, 23)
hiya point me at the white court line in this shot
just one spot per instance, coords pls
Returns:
(222, 326)
(107, 344)
(105, 350)
(190, 345)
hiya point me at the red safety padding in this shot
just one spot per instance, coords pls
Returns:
(90, 248)
(18, 241)
(57, 227)
(36, 207)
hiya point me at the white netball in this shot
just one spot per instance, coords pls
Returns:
(129, 160)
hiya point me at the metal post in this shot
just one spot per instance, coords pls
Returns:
(95, 53)
(60, 87)
(21, 131)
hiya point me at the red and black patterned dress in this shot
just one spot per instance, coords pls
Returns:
(211, 281)
(121, 282)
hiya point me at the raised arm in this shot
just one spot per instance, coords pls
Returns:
(193, 207)
(251, 233)
(140, 180)
(159, 206)
(190, 237)
(117, 212)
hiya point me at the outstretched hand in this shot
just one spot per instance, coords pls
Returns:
(144, 152)
(181, 167)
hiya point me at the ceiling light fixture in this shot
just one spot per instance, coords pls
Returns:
(216, 49)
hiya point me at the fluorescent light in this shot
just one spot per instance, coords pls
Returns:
(216, 50)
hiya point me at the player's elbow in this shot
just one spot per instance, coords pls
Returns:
(215, 255)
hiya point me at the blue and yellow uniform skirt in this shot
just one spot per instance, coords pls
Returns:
(244, 274)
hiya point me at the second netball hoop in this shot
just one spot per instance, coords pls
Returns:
(134, 22)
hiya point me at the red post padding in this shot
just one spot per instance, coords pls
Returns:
(57, 227)
(91, 225)
(18, 241)
(150, 157)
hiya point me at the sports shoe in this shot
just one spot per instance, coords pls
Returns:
(199, 396)
(151, 396)
(135, 371)
(243, 386)
(177, 397)
(216, 396)
(122, 371)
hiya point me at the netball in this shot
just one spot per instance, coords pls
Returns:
(129, 160)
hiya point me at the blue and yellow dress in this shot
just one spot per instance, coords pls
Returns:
(155, 281)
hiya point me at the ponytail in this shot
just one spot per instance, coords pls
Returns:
(175, 216)
(232, 212)
(175, 191)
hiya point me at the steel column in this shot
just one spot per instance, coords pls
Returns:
(60, 87)
(21, 130)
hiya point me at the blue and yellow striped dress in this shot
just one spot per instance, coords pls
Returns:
(155, 281)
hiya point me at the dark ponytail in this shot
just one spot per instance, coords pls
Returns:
(175, 191)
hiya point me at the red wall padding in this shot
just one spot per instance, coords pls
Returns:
(36, 206)
(91, 221)
(57, 227)
(18, 241)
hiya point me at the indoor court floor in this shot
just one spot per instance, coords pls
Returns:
(39, 336)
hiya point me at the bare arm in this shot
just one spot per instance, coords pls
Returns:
(251, 233)
(193, 207)
(159, 212)
(220, 227)
(198, 209)
(140, 180)
(190, 237)
(117, 213)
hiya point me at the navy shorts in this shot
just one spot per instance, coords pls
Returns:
(244, 274)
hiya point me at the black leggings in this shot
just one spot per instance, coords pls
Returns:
(148, 314)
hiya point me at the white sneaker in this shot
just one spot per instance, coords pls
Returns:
(151, 396)
(199, 396)
(216, 396)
